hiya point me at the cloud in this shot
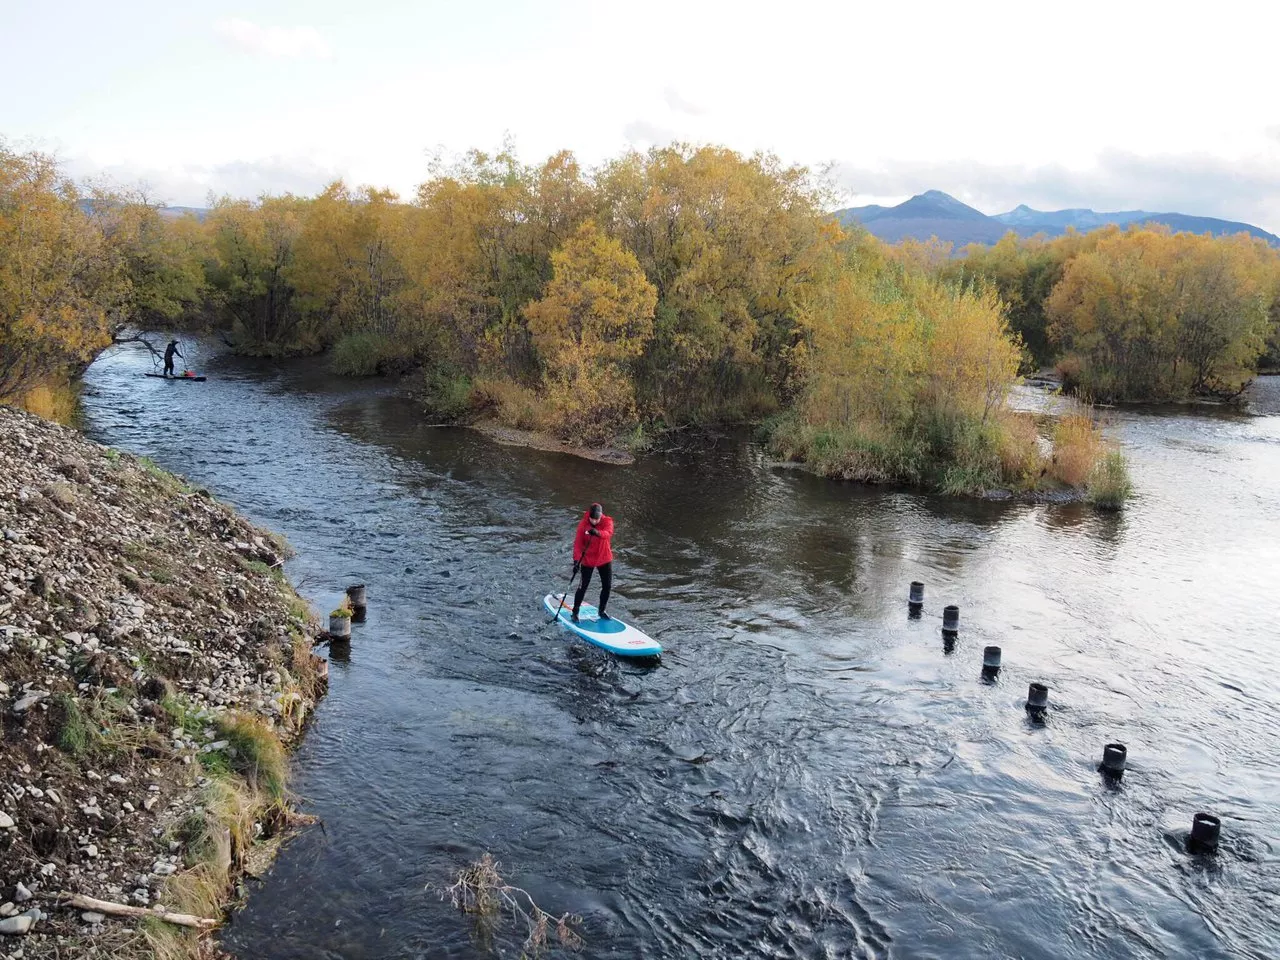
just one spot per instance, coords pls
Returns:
(286, 43)
(679, 104)
(1195, 184)
(190, 185)
(649, 133)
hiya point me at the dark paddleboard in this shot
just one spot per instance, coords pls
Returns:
(161, 376)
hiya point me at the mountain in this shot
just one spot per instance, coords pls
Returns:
(936, 214)
(930, 214)
(89, 205)
(1026, 221)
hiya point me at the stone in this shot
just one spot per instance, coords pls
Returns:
(21, 894)
(162, 869)
(29, 700)
(8, 909)
(91, 850)
(90, 917)
(17, 926)
(6, 821)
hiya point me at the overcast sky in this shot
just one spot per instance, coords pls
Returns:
(1113, 105)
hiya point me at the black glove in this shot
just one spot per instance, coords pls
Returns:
(592, 532)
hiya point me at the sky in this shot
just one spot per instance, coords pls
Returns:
(1123, 104)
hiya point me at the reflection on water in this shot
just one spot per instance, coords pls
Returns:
(808, 773)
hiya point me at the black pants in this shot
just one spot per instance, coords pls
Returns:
(168, 366)
(606, 584)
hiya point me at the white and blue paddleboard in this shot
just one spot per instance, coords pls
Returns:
(612, 634)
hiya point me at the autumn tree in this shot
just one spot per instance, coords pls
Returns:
(1151, 315)
(253, 249)
(595, 317)
(62, 284)
(727, 241)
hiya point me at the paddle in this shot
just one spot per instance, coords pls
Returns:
(577, 565)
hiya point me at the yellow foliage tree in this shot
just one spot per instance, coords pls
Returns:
(1151, 315)
(595, 315)
(62, 283)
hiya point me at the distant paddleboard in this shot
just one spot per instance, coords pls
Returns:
(161, 376)
(612, 634)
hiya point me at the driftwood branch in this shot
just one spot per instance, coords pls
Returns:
(138, 338)
(81, 902)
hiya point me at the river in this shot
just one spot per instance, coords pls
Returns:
(808, 772)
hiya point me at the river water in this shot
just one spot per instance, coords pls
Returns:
(808, 772)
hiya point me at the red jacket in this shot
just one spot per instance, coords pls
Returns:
(599, 550)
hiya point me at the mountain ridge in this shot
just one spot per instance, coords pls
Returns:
(937, 214)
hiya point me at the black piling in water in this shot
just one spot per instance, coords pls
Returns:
(990, 662)
(916, 597)
(1037, 700)
(1114, 756)
(1205, 829)
(358, 599)
(339, 629)
(951, 619)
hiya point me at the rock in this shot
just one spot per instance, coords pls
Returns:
(6, 821)
(90, 917)
(8, 909)
(73, 469)
(21, 894)
(162, 869)
(17, 926)
(29, 699)
(91, 850)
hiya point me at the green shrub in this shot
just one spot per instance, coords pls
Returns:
(357, 355)
(1109, 485)
(447, 394)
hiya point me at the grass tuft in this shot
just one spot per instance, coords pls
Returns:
(1109, 484)
(76, 735)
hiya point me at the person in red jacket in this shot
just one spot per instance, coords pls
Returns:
(592, 550)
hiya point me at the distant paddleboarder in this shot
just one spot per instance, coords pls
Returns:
(169, 352)
(592, 550)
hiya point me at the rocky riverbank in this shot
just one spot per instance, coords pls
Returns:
(154, 663)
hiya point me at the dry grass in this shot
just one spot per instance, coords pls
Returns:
(1019, 448)
(513, 405)
(216, 847)
(53, 401)
(1077, 447)
(255, 753)
(480, 892)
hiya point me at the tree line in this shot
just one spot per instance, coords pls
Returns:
(1140, 314)
(673, 287)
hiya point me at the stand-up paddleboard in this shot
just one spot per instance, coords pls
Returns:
(161, 376)
(612, 634)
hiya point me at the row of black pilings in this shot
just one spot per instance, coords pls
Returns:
(1205, 827)
(340, 620)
